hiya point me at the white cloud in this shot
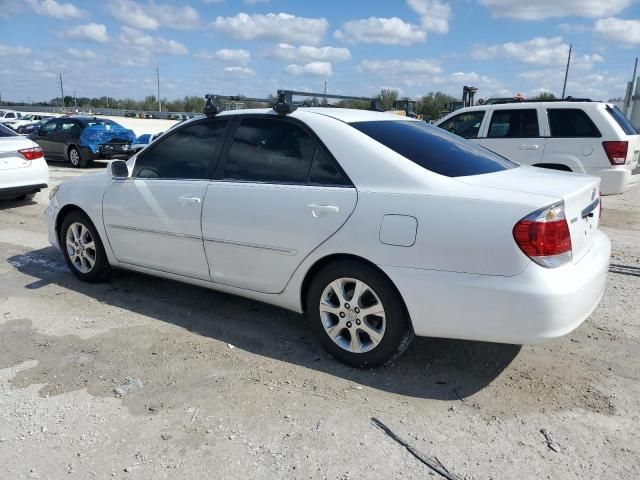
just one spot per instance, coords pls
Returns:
(152, 15)
(619, 30)
(541, 9)
(434, 14)
(239, 71)
(52, 8)
(573, 28)
(81, 54)
(400, 68)
(387, 31)
(7, 50)
(306, 53)
(281, 27)
(238, 57)
(133, 14)
(145, 45)
(91, 32)
(318, 69)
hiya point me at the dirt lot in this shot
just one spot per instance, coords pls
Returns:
(147, 378)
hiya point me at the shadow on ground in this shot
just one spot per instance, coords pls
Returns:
(431, 368)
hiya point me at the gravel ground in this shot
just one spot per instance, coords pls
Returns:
(147, 378)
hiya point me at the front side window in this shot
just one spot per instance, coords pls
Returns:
(467, 124)
(185, 154)
(10, 115)
(520, 123)
(270, 150)
(434, 148)
(571, 122)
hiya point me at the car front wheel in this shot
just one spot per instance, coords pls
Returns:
(83, 249)
(358, 315)
(75, 158)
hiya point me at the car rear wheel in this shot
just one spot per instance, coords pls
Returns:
(358, 315)
(82, 248)
(75, 158)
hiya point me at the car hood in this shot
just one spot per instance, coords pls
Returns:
(96, 135)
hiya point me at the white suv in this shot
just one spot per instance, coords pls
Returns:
(578, 136)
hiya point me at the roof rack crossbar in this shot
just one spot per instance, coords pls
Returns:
(213, 107)
(287, 96)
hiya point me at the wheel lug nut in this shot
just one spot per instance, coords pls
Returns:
(349, 324)
(341, 314)
(346, 305)
(357, 321)
(357, 310)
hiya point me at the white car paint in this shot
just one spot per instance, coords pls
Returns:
(9, 115)
(456, 264)
(19, 176)
(582, 154)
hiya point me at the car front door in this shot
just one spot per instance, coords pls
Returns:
(465, 124)
(153, 217)
(276, 198)
(515, 134)
(44, 137)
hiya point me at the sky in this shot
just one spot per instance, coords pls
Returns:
(254, 47)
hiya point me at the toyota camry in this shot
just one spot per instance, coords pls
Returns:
(378, 227)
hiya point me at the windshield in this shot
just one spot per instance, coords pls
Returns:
(433, 148)
(6, 132)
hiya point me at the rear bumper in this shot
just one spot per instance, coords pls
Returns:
(18, 181)
(537, 305)
(616, 180)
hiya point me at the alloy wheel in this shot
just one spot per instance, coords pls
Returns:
(81, 247)
(352, 315)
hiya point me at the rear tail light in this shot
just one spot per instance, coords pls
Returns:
(31, 153)
(616, 151)
(544, 236)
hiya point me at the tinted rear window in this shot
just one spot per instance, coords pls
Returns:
(6, 132)
(619, 117)
(571, 122)
(433, 148)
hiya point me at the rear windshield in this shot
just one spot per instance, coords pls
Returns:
(619, 117)
(6, 132)
(434, 148)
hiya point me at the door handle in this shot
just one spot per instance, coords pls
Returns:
(186, 200)
(321, 210)
(529, 147)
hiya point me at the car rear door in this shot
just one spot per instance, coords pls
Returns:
(153, 217)
(45, 137)
(515, 133)
(276, 197)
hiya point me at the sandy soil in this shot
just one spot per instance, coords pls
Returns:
(146, 378)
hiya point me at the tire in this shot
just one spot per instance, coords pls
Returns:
(75, 158)
(78, 235)
(356, 340)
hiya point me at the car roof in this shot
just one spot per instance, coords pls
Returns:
(347, 115)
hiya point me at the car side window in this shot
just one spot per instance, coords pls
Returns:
(185, 154)
(70, 128)
(520, 123)
(270, 150)
(325, 172)
(10, 115)
(571, 122)
(466, 125)
(49, 127)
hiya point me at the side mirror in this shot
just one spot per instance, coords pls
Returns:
(119, 169)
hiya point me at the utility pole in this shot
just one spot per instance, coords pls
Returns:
(158, 79)
(62, 91)
(566, 73)
(627, 100)
(75, 99)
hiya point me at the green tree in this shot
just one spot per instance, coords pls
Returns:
(386, 97)
(545, 97)
(433, 103)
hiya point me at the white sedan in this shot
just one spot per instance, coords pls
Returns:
(23, 170)
(377, 226)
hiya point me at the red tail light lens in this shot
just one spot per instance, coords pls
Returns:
(544, 236)
(31, 153)
(616, 151)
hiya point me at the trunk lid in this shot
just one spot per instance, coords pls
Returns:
(9, 156)
(580, 194)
